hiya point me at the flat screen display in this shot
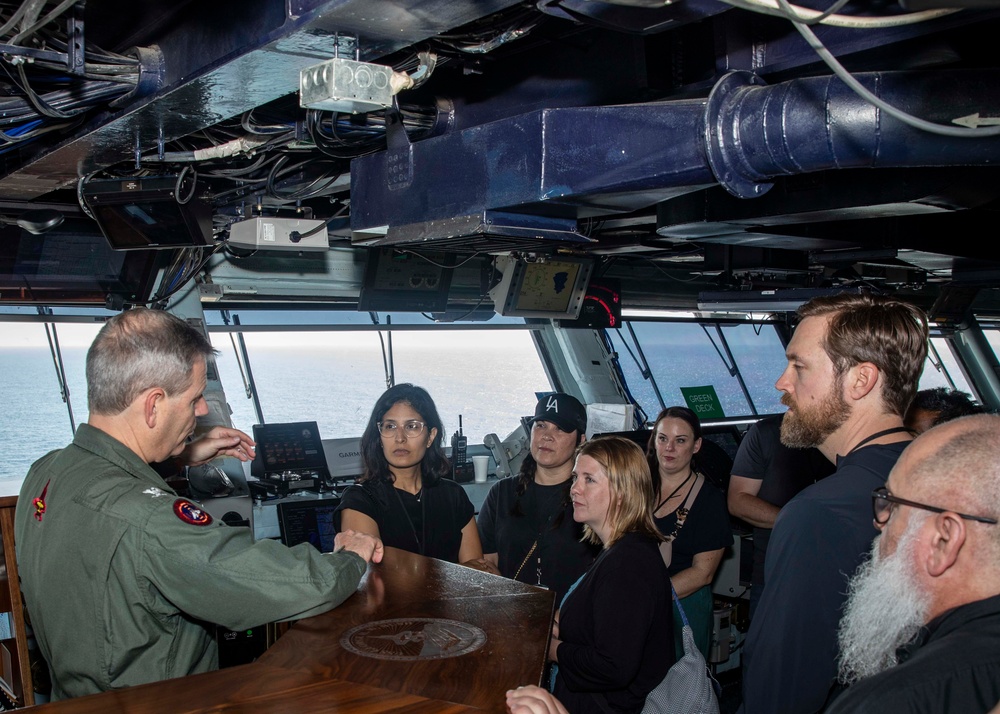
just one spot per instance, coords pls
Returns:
(292, 446)
(308, 521)
(552, 288)
(143, 214)
(72, 265)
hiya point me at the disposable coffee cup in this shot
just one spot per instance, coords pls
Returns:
(480, 464)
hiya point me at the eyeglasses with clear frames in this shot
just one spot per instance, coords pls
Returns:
(882, 503)
(411, 429)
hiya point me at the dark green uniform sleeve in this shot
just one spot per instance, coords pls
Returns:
(218, 574)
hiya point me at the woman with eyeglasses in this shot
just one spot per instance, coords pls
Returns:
(403, 496)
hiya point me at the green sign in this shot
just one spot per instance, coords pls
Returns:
(703, 401)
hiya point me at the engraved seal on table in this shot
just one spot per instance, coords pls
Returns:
(413, 638)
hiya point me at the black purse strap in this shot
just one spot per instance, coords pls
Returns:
(530, 551)
(667, 546)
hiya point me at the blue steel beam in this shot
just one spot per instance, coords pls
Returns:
(217, 70)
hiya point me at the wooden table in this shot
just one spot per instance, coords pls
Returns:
(417, 611)
(254, 688)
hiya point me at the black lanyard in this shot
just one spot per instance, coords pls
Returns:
(422, 539)
(876, 435)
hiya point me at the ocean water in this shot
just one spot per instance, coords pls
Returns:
(490, 389)
(34, 418)
(490, 378)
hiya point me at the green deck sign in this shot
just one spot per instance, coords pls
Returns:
(703, 401)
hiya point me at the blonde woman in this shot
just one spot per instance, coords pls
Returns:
(613, 638)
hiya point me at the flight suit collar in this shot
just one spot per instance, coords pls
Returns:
(97, 442)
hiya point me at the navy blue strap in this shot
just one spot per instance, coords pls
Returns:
(677, 602)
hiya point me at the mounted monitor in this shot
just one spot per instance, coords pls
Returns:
(308, 520)
(289, 448)
(552, 288)
(406, 282)
(602, 306)
(72, 264)
(144, 213)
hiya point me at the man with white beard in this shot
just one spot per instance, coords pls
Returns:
(853, 367)
(921, 629)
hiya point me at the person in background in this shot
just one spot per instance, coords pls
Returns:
(854, 363)
(404, 496)
(936, 406)
(526, 523)
(121, 576)
(691, 513)
(921, 628)
(613, 638)
(766, 475)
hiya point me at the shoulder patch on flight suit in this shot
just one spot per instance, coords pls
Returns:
(191, 514)
(39, 503)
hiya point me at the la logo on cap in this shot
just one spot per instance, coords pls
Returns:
(552, 404)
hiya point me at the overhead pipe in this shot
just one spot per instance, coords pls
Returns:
(556, 163)
(756, 132)
(589, 161)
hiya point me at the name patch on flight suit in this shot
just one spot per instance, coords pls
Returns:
(191, 514)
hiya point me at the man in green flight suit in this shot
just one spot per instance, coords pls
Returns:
(122, 579)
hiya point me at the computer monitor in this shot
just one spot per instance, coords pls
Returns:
(308, 520)
(292, 446)
(553, 288)
(144, 213)
(73, 264)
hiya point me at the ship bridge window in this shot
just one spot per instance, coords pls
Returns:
(40, 406)
(942, 368)
(741, 361)
(331, 367)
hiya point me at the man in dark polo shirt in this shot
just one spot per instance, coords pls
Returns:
(853, 366)
(766, 475)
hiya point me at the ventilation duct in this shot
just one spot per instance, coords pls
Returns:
(572, 163)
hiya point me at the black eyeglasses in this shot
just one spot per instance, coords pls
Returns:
(882, 502)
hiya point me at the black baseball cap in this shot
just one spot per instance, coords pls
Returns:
(563, 410)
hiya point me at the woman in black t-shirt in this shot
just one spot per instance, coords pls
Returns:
(526, 523)
(402, 497)
(691, 513)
